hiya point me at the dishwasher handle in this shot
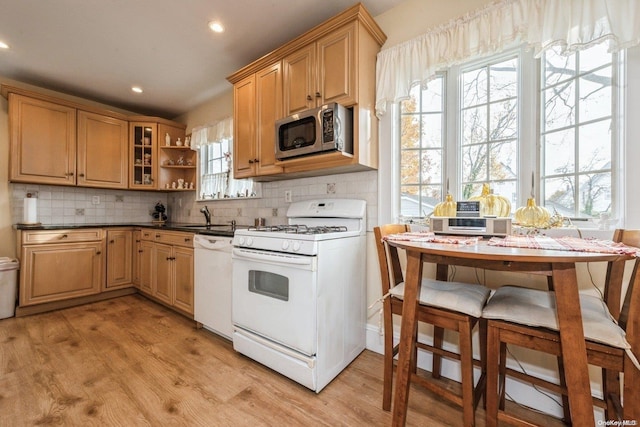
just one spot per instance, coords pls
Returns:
(212, 242)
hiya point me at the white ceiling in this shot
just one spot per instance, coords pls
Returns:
(98, 49)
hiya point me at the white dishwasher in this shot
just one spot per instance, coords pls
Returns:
(212, 295)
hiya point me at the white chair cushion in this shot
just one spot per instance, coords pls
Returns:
(455, 296)
(533, 307)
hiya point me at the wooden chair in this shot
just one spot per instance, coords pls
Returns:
(445, 305)
(527, 318)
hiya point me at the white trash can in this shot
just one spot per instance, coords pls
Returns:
(8, 286)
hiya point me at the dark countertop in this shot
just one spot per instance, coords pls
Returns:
(213, 230)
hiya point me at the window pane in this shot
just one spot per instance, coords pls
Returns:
(419, 201)
(504, 162)
(559, 195)
(410, 131)
(594, 57)
(474, 163)
(432, 97)
(557, 67)
(503, 80)
(595, 146)
(474, 125)
(410, 172)
(595, 194)
(559, 106)
(559, 152)
(431, 130)
(504, 120)
(431, 167)
(595, 95)
(474, 87)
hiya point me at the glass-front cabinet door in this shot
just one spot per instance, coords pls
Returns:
(144, 160)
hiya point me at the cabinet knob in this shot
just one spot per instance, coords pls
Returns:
(81, 175)
(99, 252)
(140, 251)
(256, 160)
(64, 236)
(168, 258)
(250, 161)
(187, 239)
(69, 174)
(318, 95)
(157, 236)
(309, 98)
(112, 241)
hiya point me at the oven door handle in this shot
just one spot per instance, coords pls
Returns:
(272, 257)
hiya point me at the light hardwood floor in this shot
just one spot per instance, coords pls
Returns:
(129, 362)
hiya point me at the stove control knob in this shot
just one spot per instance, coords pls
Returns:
(241, 241)
(249, 241)
(285, 245)
(296, 246)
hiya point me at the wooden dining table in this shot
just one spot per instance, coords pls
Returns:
(560, 266)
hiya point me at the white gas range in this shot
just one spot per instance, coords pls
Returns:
(298, 299)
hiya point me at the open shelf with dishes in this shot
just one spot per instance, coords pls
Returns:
(177, 168)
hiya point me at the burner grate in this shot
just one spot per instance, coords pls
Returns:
(301, 229)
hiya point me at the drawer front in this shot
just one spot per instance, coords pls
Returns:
(175, 238)
(62, 236)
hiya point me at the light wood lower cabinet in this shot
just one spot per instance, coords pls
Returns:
(61, 265)
(119, 259)
(170, 259)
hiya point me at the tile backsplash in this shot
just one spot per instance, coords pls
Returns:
(79, 205)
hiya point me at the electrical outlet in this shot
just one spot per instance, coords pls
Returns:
(331, 188)
(287, 196)
(274, 212)
(95, 200)
(80, 212)
(119, 198)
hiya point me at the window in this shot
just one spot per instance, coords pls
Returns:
(421, 149)
(215, 162)
(577, 131)
(214, 144)
(476, 133)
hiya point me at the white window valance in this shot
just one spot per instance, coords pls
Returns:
(210, 134)
(540, 24)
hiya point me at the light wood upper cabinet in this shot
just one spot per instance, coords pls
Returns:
(333, 62)
(43, 141)
(103, 159)
(257, 105)
(299, 73)
(321, 72)
(244, 127)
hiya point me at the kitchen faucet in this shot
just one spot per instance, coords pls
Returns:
(207, 214)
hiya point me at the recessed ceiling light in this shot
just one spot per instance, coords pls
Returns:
(136, 89)
(3, 45)
(216, 27)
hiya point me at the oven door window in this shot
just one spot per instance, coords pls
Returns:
(269, 284)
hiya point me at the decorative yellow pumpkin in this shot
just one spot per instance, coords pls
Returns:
(492, 204)
(532, 215)
(446, 208)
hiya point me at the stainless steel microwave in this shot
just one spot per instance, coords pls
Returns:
(319, 130)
